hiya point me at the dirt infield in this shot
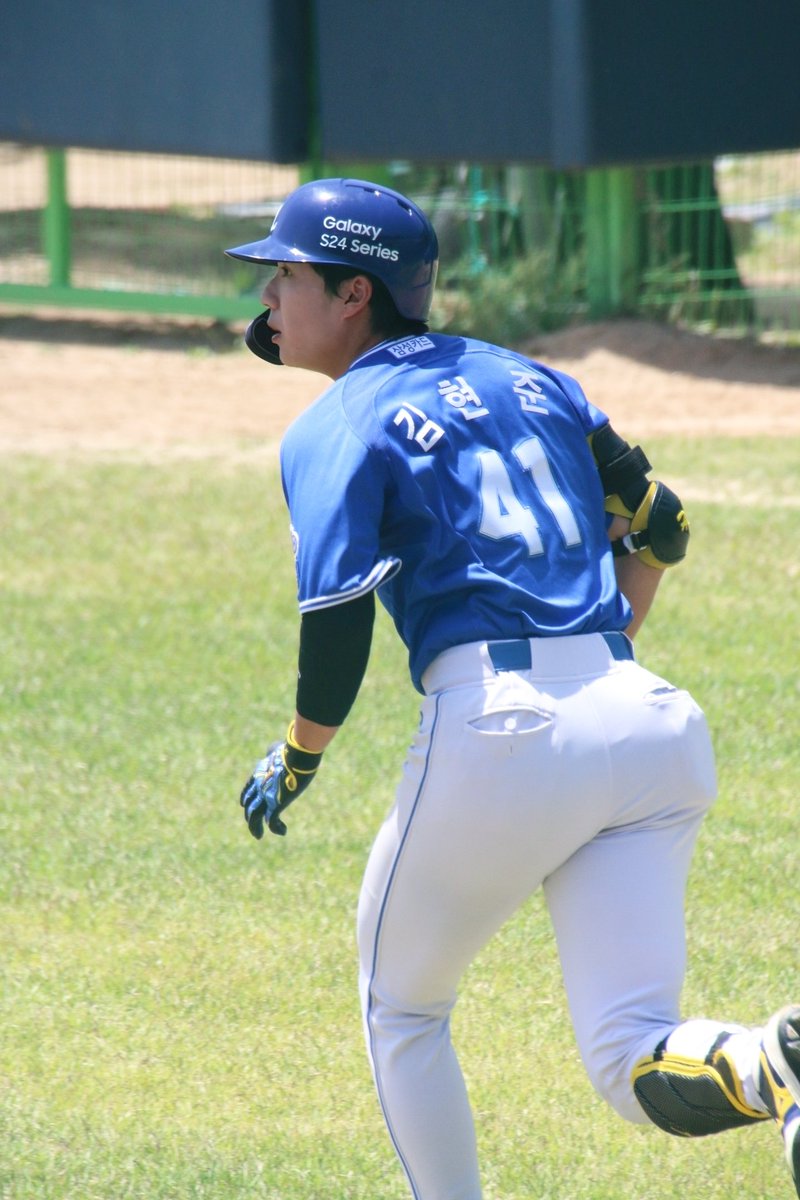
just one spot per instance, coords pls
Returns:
(124, 386)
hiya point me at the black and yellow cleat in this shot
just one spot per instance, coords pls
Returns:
(779, 1081)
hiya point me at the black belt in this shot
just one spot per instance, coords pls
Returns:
(517, 655)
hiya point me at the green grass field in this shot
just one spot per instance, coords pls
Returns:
(178, 1012)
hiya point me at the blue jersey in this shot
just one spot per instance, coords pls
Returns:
(455, 478)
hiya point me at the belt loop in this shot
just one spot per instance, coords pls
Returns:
(510, 656)
(620, 645)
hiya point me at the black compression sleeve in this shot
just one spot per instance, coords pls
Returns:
(334, 650)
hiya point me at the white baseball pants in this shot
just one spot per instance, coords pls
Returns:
(584, 773)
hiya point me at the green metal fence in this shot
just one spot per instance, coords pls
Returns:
(722, 244)
(714, 245)
(132, 232)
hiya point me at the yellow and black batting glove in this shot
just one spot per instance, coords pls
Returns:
(279, 778)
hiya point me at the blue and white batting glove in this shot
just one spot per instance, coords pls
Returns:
(277, 780)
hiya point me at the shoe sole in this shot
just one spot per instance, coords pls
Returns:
(774, 1050)
(778, 1061)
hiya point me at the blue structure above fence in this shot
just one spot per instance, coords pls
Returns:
(186, 77)
(561, 83)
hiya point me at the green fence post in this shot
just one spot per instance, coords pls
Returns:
(612, 251)
(57, 220)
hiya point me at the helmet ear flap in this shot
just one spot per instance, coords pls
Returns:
(258, 338)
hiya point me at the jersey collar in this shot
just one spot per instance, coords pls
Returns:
(373, 350)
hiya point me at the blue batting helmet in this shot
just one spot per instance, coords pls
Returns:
(353, 223)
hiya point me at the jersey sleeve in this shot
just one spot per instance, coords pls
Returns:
(334, 485)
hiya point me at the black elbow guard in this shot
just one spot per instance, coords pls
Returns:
(659, 531)
(622, 468)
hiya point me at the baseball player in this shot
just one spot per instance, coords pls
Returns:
(517, 542)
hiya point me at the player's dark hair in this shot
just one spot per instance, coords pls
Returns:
(385, 318)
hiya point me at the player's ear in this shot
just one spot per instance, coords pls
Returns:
(356, 293)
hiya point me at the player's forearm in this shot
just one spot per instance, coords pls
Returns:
(638, 582)
(313, 736)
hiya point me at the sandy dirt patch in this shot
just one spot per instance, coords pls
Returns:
(108, 385)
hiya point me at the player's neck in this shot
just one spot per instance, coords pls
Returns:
(353, 350)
